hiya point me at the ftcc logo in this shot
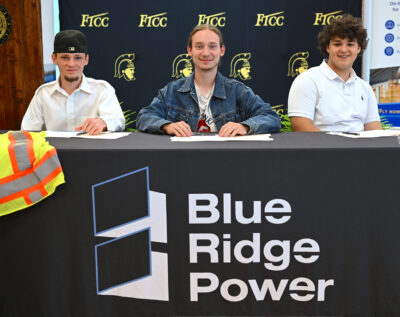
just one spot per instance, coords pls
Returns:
(297, 64)
(240, 66)
(326, 18)
(126, 265)
(182, 66)
(216, 19)
(97, 20)
(124, 67)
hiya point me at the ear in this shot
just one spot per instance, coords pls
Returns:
(359, 49)
(223, 48)
(189, 50)
(87, 59)
(53, 58)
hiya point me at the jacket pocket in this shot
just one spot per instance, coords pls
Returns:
(232, 116)
(176, 115)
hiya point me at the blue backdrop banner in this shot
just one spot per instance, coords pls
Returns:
(139, 46)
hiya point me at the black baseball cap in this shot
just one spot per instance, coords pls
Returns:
(70, 41)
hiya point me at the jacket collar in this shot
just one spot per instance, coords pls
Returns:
(219, 89)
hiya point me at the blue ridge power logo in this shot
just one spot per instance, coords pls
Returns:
(130, 224)
(125, 263)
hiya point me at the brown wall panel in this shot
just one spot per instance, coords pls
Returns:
(21, 59)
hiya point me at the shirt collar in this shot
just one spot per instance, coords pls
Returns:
(330, 73)
(55, 87)
(84, 86)
(219, 89)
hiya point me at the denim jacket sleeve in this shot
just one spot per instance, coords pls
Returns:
(260, 117)
(151, 118)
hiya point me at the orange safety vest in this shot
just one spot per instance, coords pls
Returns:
(29, 170)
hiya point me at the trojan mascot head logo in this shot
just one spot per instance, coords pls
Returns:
(124, 67)
(298, 64)
(182, 66)
(240, 66)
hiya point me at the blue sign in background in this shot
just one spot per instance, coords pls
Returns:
(390, 112)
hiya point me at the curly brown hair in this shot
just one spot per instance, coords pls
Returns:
(346, 26)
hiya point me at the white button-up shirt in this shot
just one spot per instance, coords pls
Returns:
(333, 104)
(52, 108)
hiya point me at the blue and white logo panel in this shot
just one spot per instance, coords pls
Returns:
(126, 265)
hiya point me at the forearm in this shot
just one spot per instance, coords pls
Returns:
(263, 123)
(114, 123)
(300, 124)
(260, 117)
(151, 119)
(110, 111)
(33, 118)
(374, 125)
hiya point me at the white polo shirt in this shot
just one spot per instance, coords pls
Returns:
(51, 107)
(331, 103)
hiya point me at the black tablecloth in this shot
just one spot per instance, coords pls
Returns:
(342, 195)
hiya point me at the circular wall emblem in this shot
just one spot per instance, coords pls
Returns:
(389, 37)
(5, 25)
(389, 24)
(389, 51)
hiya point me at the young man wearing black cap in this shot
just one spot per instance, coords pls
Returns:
(73, 102)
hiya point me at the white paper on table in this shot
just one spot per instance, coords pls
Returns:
(77, 134)
(216, 138)
(61, 134)
(367, 134)
(106, 135)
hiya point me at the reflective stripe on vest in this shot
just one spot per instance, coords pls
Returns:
(30, 173)
(21, 150)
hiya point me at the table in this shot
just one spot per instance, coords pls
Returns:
(318, 235)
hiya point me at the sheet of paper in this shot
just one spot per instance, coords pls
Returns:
(216, 138)
(104, 135)
(367, 134)
(76, 134)
(61, 134)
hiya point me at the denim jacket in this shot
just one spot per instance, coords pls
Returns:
(231, 101)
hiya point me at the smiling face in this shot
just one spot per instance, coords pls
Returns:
(71, 65)
(206, 50)
(342, 54)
